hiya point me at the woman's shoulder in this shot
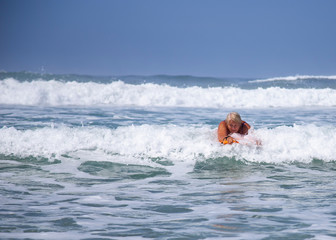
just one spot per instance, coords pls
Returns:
(246, 124)
(245, 127)
(223, 123)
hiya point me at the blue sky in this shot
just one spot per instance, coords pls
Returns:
(221, 38)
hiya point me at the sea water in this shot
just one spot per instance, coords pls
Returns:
(136, 157)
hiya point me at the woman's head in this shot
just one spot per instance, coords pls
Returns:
(233, 122)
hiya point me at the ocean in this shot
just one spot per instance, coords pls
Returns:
(136, 157)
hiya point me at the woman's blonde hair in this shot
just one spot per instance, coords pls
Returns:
(234, 116)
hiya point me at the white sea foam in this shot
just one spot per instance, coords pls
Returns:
(145, 143)
(293, 78)
(57, 93)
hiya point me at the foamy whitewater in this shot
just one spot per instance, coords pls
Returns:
(137, 157)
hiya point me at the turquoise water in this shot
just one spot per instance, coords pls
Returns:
(136, 157)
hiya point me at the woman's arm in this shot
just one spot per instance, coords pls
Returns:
(222, 131)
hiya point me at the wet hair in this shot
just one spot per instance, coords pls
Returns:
(234, 116)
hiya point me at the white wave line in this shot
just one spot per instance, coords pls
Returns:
(293, 78)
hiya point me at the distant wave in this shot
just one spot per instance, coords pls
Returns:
(118, 93)
(177, 143)
(293, 78)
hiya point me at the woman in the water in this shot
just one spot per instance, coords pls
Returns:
(232, 124)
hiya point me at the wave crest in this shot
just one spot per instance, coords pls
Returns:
(118, 93)
(144, 144)
(293, 78)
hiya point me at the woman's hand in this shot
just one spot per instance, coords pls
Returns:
(230, 140)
